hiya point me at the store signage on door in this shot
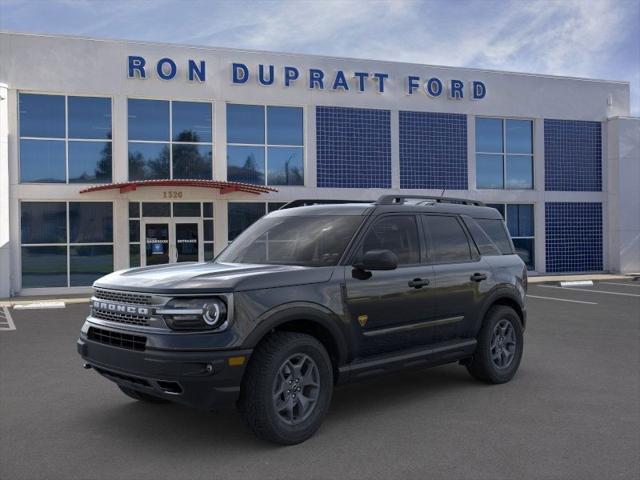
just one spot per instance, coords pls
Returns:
(287, 76)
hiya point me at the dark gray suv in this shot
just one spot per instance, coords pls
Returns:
(311, 296)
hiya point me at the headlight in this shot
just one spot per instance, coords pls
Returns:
(194, 313)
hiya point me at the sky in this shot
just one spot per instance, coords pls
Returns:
(579, 38)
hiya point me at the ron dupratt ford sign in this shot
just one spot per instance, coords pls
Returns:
(314, 78)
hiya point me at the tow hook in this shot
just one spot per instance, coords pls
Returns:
(86, 366)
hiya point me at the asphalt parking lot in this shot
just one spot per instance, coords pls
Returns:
(572, 411)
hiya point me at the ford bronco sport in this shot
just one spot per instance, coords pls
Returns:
(311, 296)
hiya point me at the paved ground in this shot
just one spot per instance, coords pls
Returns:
(573, 411)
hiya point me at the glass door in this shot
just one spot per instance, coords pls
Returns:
(171, 240)
(188, 240)
(157, 242)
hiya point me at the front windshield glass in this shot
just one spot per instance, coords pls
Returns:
(310, 241)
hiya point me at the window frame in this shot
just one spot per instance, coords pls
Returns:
(266, 145)
(474, 254)
(504, 154)
(66, 139)
(170, 142)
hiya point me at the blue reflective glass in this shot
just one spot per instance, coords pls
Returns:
(519, 171)
(148, 161)
(208, 252)
(134, 210)
(207, 210)
(208, 230)
(284, 126)
(186, 209)
(134, 230)
(489, 135)
(88, 263)
(245, 164)
(148, 120)
(89, 162)
(191, 122)
(242, 215)
(519, 136)
(525, 249)
(90, 222)
(520, 220)
(286, 166)
(43, 222)
(192, 161)
(41, 115)
(489, 171)
(42, 161)
(245, 124)
(44, 267)
(134, 255)
(89, 117)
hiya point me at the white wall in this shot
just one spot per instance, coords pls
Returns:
(5, 245)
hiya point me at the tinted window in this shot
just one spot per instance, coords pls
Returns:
(90, 262)
(524, 249)
(148, 120)
(156, 209)
(447, 241)
(245, 124)
(192, 161)
(89, 117)
(186, 209)
(242, 215)
(208, 230)
(489, 135)
(89, 162)
(207, 210)
(496, 231)
(44, 222)
(191, 122)
(90, 222)
(44, 267)
(489, 171)
(482, 240)
(134, 210)
(134, 230)
(245, 164)
(134, 255)
(497, 206)
(519, 172)
(396, 233)
(41, 116)
(520, 220)
(273, 206)
(148, 161)
(285, 166)
(42, 161)
(284, 126)
(519, 136)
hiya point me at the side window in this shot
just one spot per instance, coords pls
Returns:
(496, 231)
(447, 241)
(398, 233)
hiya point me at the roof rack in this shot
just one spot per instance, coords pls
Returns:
(307, 202)
(400, 199)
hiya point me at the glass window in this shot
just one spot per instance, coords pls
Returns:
(496, 231)
(245, 124)
(134, 230)
(88, 263)
(285, 166)
(489, 171)
(447, 241)
(134, 255)
(519, 136)
(519, 172)
(497, 206)
(192, 161)
(148, 161)
(208, 252)
(42, 161)
(89, 162)
(42, 115)
(44, 222)
(242, 215)
(134, 210)
(90, 222)
(273, 206)
(44, 267)
(245, 164)
(524, 249)
(89, 117)
(489, 135)
(284, 126)
(156, 209)
(191, 122)
(148, 120)
(398, 233)
(485, 245)
(186, 209)
(208, 230)
(207, 209)
(520, 220)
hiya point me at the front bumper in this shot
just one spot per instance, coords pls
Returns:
(203, 379)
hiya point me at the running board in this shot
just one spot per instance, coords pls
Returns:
(437, 354)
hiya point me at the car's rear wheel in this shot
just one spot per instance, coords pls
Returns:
(287, 388)
(500, 346)
(143, 397)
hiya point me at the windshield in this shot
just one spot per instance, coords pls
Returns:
(310, 241)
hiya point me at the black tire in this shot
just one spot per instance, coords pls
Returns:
(262, 388)
(486, 360)
(141, 396)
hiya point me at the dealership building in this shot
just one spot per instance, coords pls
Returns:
(116, 154)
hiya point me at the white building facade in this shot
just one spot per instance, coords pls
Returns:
(116, 154)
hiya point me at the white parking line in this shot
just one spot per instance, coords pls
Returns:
(590, 290)
(6, 322)
(622, 284)
(562, 299)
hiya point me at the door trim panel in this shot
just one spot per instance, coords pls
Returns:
(412, 326)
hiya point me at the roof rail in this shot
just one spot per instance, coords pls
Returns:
(400, 199)
(307, 202)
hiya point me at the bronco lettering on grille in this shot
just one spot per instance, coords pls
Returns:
(118, 308)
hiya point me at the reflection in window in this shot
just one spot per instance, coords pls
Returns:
(191, 122)
(148, 161)
(89, 117)
(447, 240)
(44, 267)
(148, 120)
(245, 124)
(520, 223)
(90, 222)
(42, 116)
(245, 164)
(43, 222)
(89, 162)
(396, 233)
(504, 153)
(42, 161)
(285, 166)
(89, 262)
(192, 161)
(242, 215)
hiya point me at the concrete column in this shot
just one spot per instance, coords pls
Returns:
(395, 149)
(311, 162)
(471, 155)
(220, 225)
(120, 154)
(5, 244)
(219, 143)
(538, 185)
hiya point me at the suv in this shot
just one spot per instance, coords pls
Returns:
(309, 297)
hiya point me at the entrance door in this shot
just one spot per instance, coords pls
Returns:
(170, 240)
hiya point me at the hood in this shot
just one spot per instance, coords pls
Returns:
(211, 277)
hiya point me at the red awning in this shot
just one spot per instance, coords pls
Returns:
(224, 187)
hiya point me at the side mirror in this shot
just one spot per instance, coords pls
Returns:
(378, 260)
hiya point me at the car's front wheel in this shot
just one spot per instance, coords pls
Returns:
(287, 388)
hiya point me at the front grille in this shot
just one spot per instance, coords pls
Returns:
(123, 297)
(127, 318)
(119, 376)
(117, 339)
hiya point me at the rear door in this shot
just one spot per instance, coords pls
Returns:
(462, 277)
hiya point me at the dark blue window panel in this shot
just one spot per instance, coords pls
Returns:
(573, 236)
(89, 162)
(42, 161)
(148, 119)
(89, 262)
(148, 161)
(89, 117)
(44, 222)
(192, 161)
(284, 126)
(90, 222)
(41, 115)
(572, 156)
(433, 150)
(44, 267)
(245, 124)
(353, 147)
(286, 166)
(192, 122)
(242, 215)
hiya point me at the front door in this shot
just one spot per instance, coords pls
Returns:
(168, 240)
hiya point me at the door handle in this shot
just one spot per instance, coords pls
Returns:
(418, 282)
(478, 277)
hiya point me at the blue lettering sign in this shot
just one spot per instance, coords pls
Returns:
(455, 89)
(196, 71)
(362, 78)
(412, 84)
(433, 87)
(262, 79)
(160, 68)
(380, 77)
(136, 64)
(316, 77)
(479, 90)
(290, 74)
(340, 81)
(240, 73)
